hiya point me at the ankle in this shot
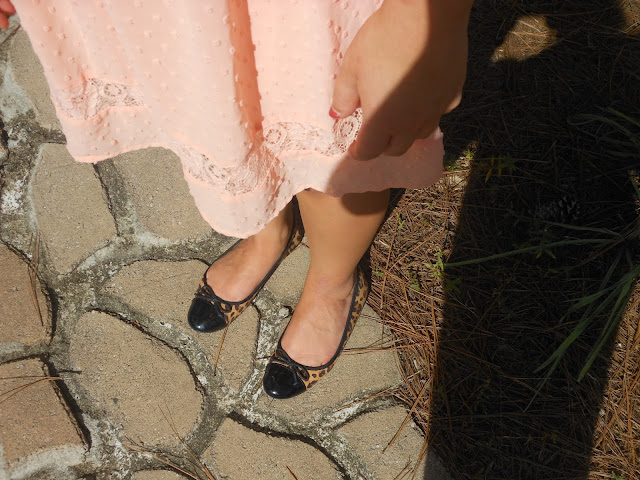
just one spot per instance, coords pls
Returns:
(330, 284)
(278, 229)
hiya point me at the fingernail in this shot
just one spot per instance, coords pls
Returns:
(333, 113)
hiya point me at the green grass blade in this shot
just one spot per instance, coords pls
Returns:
(578, 228)
(584, 321)
(562, 243)
(610, 326)
(588, 300)
(606, 120)
(613, 320)
(623, 116)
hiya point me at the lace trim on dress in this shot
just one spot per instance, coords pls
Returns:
(286, 136)
(236, 180)
(95, 96)
(259, 165)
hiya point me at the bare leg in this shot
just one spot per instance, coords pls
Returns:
(339, 231)
(234, 276)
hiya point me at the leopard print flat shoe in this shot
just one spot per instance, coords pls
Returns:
(210, 313)
(286, 378)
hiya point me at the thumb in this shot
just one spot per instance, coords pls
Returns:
(345, 94)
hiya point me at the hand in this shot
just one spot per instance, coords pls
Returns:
(6, 10)
(406, 67)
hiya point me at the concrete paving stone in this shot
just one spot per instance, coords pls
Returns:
(156, 186)
(20, 320)
(33, 419)
(161, 290)
(238, 350)
(138, 381)
(72, 215)
(52, 464)
(25, 68)
(164, 290)
(354, 372)
(158, 475)
(238, 452)
(287, 281)
(371, 433)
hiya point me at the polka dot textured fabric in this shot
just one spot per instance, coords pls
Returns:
(238, 89)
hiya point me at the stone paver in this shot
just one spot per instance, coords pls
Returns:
(115, 329)
(139, 382)
(158, 475)
(371, 434)
(70, 208)
(155, 183)
(20, 320)
(32, 418)
(27, 72)
(238, 352)
(239, 452)
(163, 290)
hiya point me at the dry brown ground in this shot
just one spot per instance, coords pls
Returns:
(527, 167)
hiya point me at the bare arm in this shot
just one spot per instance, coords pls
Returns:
(406, 67)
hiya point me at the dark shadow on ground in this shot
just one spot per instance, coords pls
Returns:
(534, 160)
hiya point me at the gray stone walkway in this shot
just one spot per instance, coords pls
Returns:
(100, 375)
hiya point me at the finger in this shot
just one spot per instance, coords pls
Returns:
(370, 143)
(454, 103)
(427, 131)
(345, 93)
(4, 22)
(7, 7)
(399, 145)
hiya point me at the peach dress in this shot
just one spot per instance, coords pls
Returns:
(238, 89)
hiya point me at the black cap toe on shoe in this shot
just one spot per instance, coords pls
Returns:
(204, 317)
(281, 382)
